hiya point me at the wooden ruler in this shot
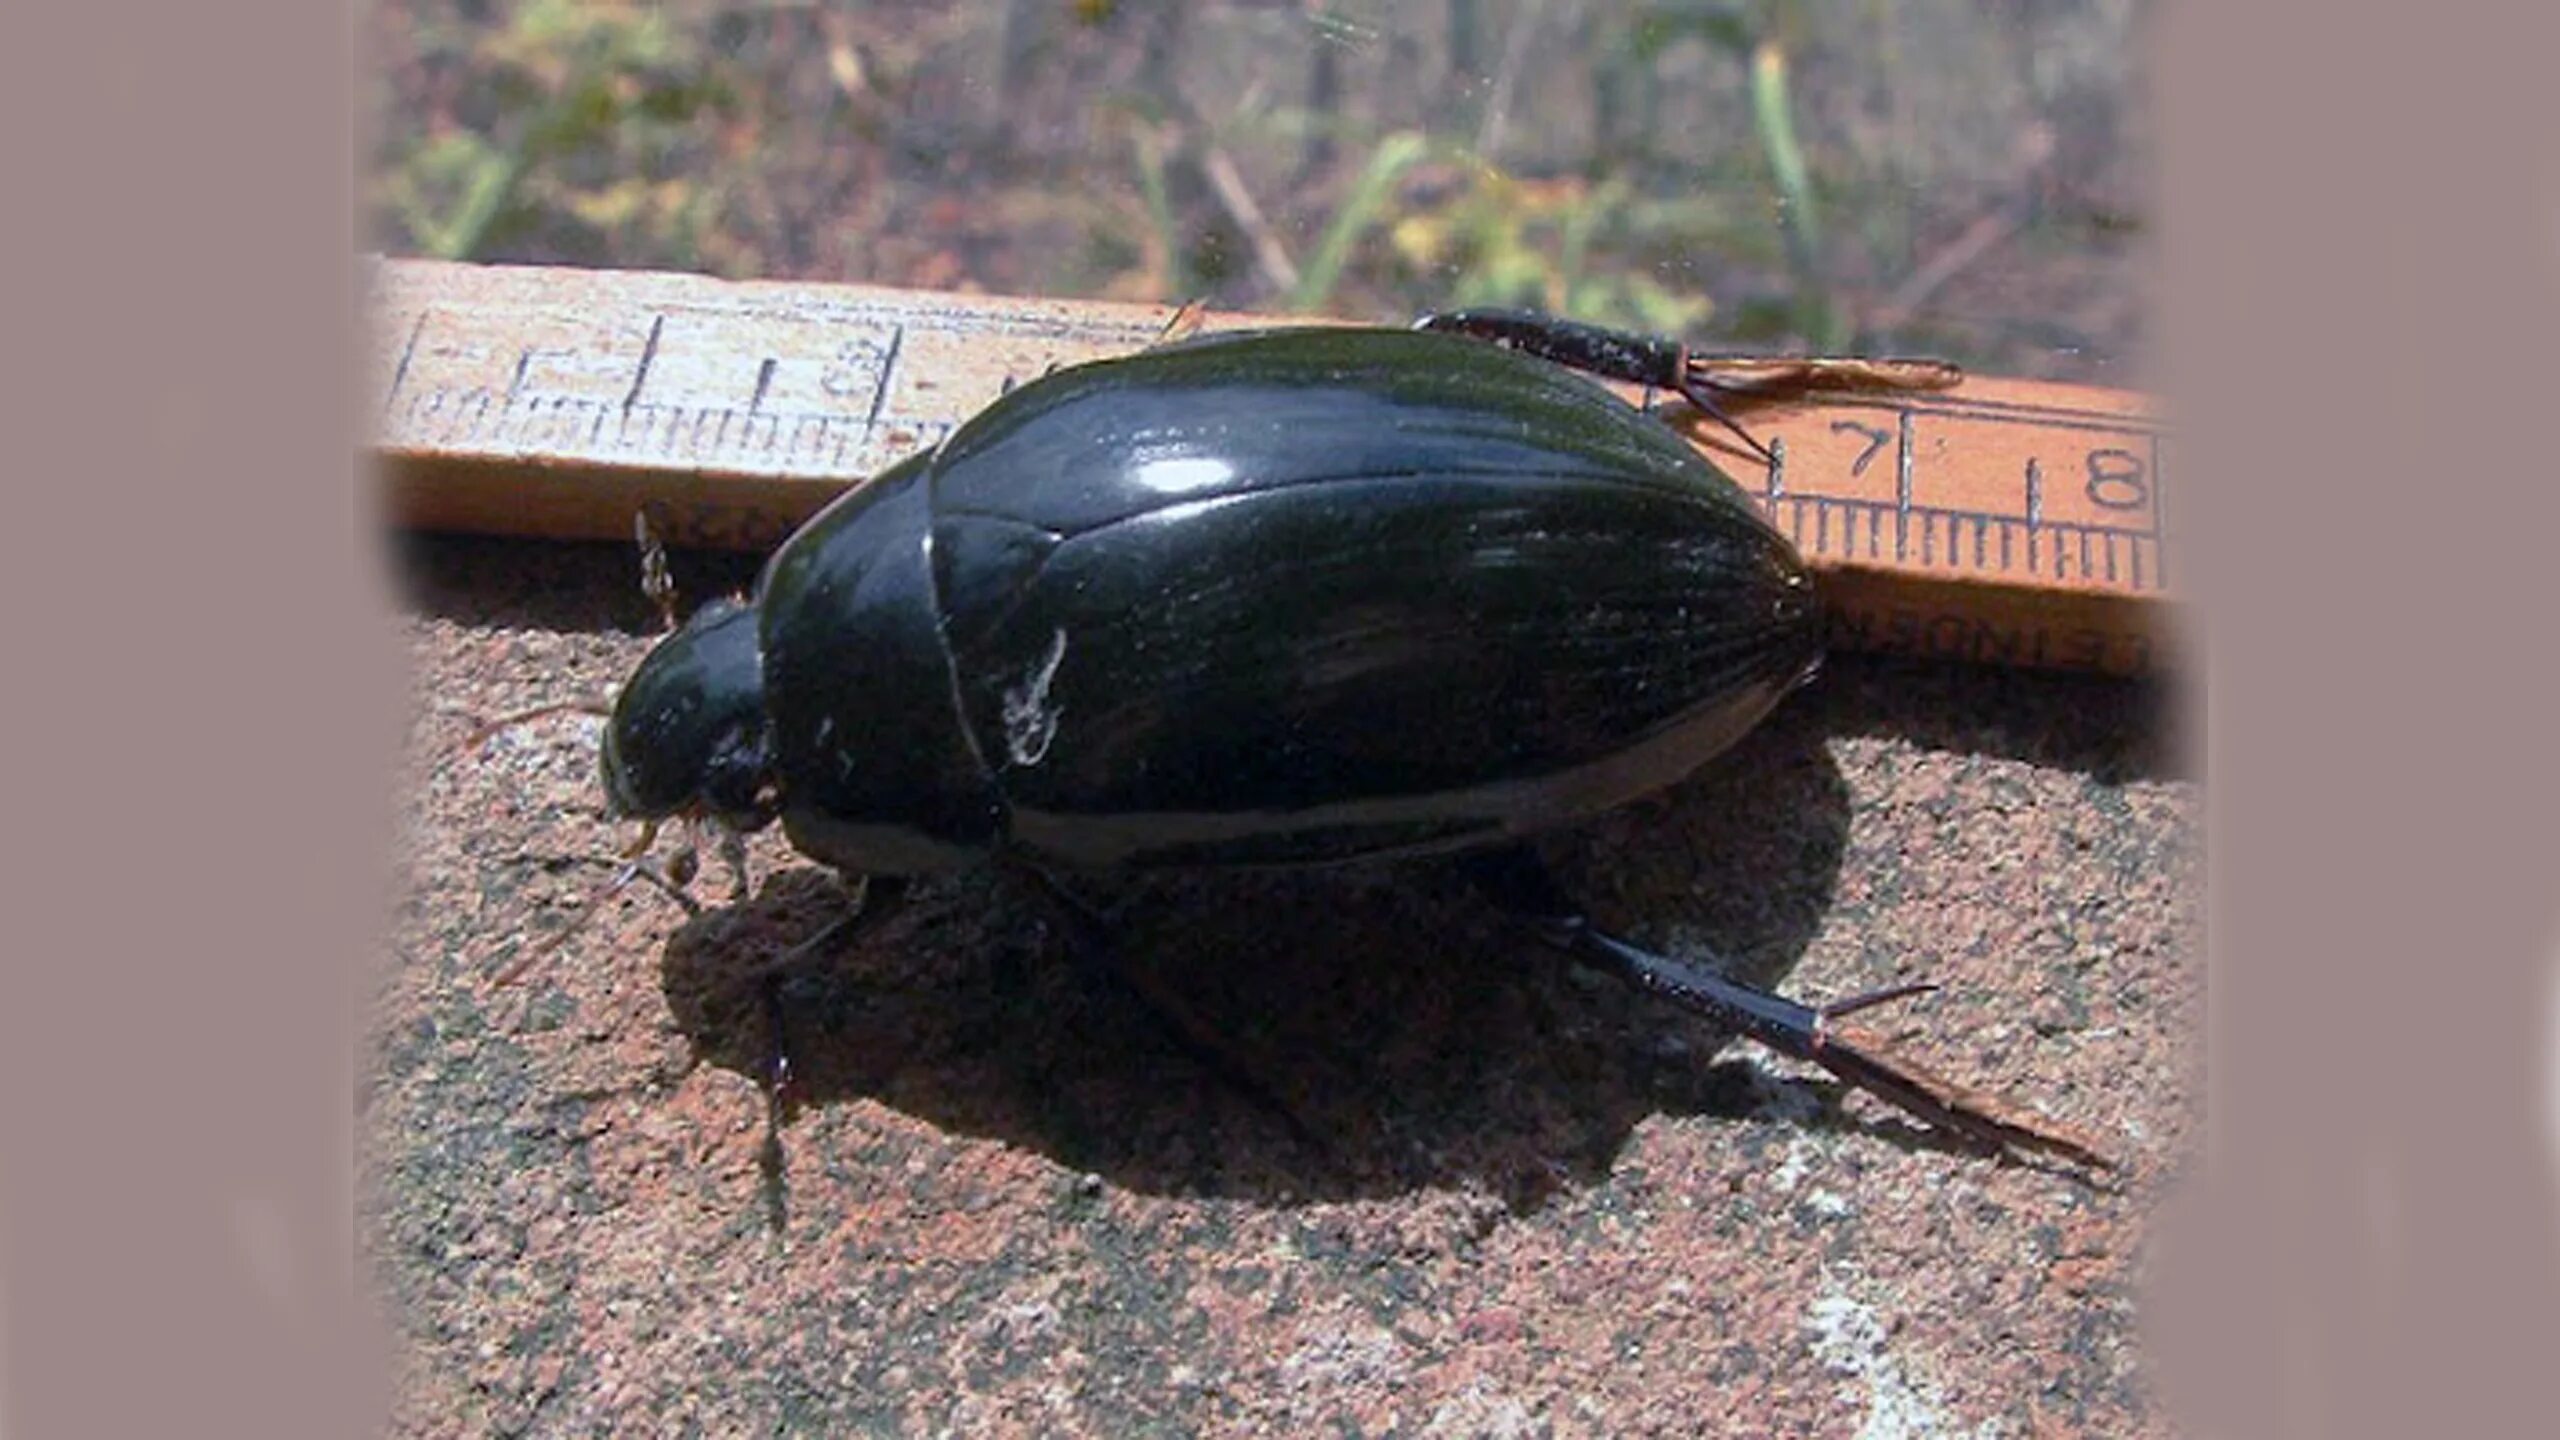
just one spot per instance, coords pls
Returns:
(2005, 521)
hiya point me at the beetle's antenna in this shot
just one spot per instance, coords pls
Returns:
(655, 581)
(481, 735)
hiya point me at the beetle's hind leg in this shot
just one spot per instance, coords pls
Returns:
(1648, 360)
(1522, 884)
(1705, 381)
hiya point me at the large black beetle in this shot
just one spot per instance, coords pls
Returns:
(1288, 597)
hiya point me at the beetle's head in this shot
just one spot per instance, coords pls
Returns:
(688, 735)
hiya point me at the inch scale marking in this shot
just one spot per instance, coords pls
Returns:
(2109, 528)
(2004, 521)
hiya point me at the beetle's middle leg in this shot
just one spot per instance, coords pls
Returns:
(1522, 884)
(1091, 941)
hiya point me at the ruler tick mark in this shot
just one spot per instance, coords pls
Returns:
(648, 357)
(2035, 509)
(408, 352)
(1902, 490)
(2160, 509)
(888, 368)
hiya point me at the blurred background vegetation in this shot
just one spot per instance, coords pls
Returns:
(1963, 178)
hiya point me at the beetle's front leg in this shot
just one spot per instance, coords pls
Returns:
(882, 896)
(1521, 883)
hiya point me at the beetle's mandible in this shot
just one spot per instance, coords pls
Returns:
(1285, 597)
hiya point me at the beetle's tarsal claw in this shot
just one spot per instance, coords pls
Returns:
(1861, 1059)
(671, 888)
(1185, 321)
(1701, 395)
(682, 866)
(731, 847)
(777, 1078)
(1873, 998)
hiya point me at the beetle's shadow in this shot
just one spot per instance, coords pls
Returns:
(1424, 1039)
(2109, 729)
(1406, 1034)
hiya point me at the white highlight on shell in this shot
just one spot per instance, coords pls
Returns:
(1030, 721)
(1182, 474)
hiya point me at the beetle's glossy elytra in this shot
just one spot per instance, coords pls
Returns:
(1298, 596)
